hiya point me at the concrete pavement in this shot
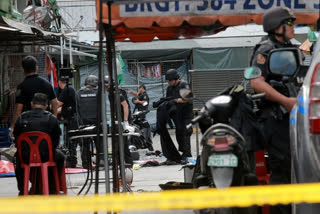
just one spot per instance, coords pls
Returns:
(145, 179)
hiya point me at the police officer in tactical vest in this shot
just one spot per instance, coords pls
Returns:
(279, 24)
(88, 110)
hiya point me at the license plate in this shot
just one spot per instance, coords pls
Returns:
(223, 160)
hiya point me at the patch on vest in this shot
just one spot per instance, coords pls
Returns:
(261, 59)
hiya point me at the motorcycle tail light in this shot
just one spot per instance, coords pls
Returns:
(314, 104)
(221, 142)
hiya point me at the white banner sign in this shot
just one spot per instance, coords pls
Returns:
(214, 7)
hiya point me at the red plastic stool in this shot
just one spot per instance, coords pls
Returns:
(36, 163)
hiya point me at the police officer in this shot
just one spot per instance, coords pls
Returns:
(68, 102)
(181, 112)
(88, 112)
(125, 119)
(279, 24)
(142, 99)
(141, 102)
(37, 119)
(32, 84)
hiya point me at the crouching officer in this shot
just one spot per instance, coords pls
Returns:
(279, 24)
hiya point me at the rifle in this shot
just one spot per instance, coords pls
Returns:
(159, 102)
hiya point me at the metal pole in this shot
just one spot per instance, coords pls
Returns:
(103, 103)
(61, 52)
(120, 129)
(70, 52)
(197, 134)
(115, 146)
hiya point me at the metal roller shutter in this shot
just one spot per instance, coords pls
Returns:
(206, 84)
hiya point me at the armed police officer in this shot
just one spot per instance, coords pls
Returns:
(141, 102)
(180, 111)
(279, 24)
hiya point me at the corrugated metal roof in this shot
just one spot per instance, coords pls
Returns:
(215, 42)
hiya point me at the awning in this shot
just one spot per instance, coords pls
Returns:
(13, 31)
(144, 20)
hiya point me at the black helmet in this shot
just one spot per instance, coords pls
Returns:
(172, 74)
(91, 80)
(274, 18)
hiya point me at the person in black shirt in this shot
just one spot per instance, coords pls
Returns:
(32, 84)
(68, 101)
(180, 111)
(125, 118)
(142, 99)
(279, 24)
(37, 119)
(141, 102)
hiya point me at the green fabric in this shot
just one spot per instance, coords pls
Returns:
(221, 58)
(311, 36)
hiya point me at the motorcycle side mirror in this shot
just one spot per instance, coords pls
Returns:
(186, 94)
(284, 61)
(145, 104)
(252, 73)
(221, 101)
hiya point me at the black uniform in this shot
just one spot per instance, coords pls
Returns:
(124, 97)
(142, 97)
(31, 85)
(44, 121)
(70, 100)
(275, 126)
(146, 131)
(181, 114)
(88, 108)
(69, 109)
(127, 154)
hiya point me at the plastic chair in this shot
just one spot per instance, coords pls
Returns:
(36, 163)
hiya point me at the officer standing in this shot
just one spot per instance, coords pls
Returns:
(125, 119)
(279, 24)
(32, 84)
(180, 111)
(68, 102)
(38, 119)
(141, 102)
(88, 108)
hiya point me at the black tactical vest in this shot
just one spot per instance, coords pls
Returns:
(88, 105)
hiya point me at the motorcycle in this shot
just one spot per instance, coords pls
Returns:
(139, 123)
(223, 161)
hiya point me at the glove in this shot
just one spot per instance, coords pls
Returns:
(125, 124)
